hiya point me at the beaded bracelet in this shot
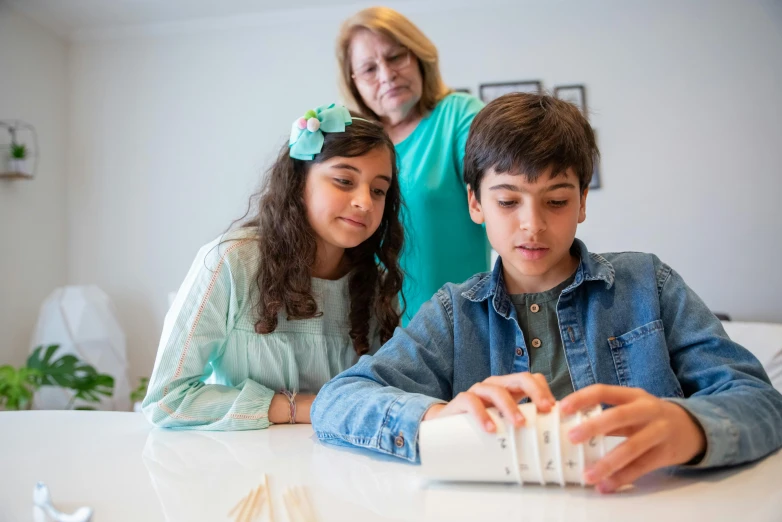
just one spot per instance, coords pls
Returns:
(292, 400)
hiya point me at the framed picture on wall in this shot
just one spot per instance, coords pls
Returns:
(575, 94)
(595, 183)
(490, 91)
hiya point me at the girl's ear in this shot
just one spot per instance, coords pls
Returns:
(476, 212)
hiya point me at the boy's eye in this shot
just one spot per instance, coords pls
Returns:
(506, 204)
(558, 203)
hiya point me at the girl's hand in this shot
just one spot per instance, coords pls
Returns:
(280, 409)
(502, 391)
(659, 433)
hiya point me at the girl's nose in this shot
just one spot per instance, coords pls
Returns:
(362, 199)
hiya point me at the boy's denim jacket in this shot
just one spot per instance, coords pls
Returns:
(628, 319)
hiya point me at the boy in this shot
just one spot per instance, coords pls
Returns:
(555, 322)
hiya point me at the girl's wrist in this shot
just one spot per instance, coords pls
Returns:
(279, 409)
(303, 406)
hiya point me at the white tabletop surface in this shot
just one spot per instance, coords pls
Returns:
(127, 471)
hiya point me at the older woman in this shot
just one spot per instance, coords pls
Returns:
(389, 72)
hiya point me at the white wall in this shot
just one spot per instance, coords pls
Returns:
(171, 125)
(33, 80)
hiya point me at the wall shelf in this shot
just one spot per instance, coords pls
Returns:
(15, 175)
(20, 133)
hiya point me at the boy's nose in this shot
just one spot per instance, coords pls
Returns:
(532, 221)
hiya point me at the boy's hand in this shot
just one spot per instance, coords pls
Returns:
(502, 391)
(659, 433)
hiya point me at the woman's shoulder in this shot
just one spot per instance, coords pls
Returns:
(459, 103)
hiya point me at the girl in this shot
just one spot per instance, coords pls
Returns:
(270, 312)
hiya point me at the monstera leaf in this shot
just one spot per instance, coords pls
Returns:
(17, 386)
(70, 372)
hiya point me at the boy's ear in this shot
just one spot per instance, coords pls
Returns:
(476, 212)
(582, 211)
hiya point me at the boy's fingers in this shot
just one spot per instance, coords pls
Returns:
(644, 464)
(502, 399)
(545, 391)
(597, 394)
(470, 403)
(531, 385)
(610, 421)
(622, 456)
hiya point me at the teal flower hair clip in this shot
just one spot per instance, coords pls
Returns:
(307, 132)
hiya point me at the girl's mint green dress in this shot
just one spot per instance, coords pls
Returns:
(442, 244)
(213, 372)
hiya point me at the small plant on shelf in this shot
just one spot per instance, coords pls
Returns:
(18, 151)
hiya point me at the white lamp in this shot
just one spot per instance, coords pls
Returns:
(82, 320)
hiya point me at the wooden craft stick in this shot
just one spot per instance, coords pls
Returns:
(306, 505)
(259, 505)
(238, 505)
(248, 508)
(269, 496)
(290, 506)
(286, 502)
(297, 505)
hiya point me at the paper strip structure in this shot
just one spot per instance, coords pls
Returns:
(457, 449)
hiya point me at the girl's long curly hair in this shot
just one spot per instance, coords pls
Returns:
(288, 246)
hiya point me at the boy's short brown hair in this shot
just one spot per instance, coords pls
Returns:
(526, 134)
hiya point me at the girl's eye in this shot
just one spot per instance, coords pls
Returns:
(558, 204)
(343, 182)
(380, 192)
(506, 204)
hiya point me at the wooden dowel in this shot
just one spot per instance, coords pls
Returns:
(238, 505)
(269, 496)
(248, 507)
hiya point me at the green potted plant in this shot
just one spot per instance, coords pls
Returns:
(18, 385)
(137, 395)
(19, 161)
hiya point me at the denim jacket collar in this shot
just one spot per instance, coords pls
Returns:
(591, 267)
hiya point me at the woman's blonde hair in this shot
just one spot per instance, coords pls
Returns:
(394, 25)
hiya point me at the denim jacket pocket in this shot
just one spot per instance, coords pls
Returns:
(642, 360)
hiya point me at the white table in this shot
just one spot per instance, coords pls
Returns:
(126, 471)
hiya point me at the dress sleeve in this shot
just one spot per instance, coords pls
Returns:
(194, 334)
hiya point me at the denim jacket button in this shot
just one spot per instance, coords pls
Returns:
(399, 441)
(534, 308)
(536, 343)
(519, 351)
